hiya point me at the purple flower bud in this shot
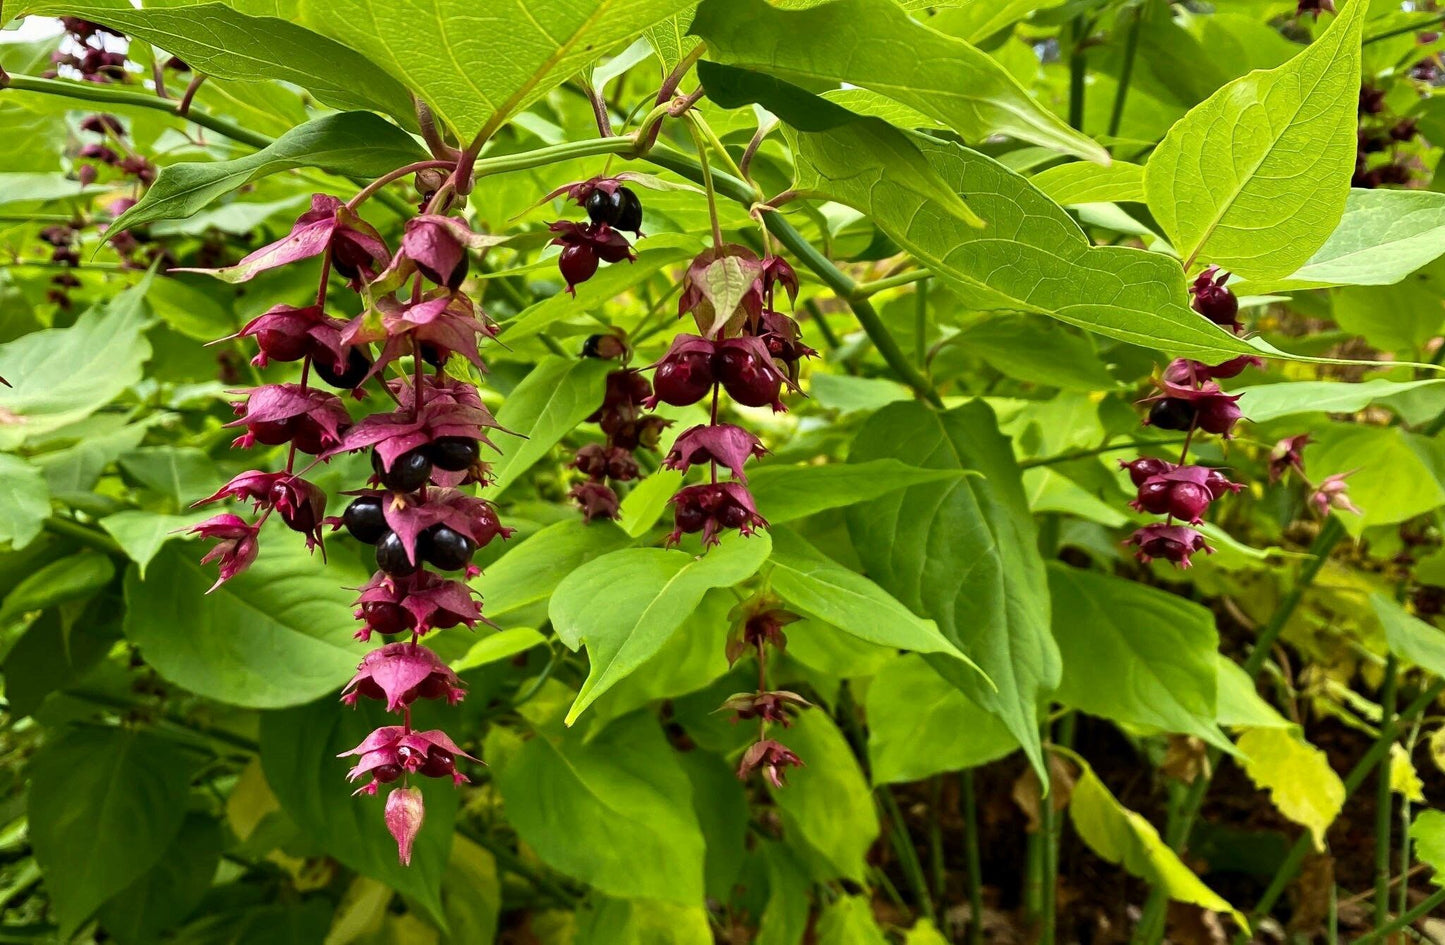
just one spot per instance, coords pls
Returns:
(596, 500)
(102, 124)
(777, 272)
(711, 508)
(236, 544)
(391, 750)
(771, 706)
(1144, 467)
(432, 242)
(1333, 493)
(1214, 300)
(772, 759)
(1175, 543)
(405, 811)
(401, 673)
(279, 413)
(1288, 454)
(722, 443)
(758, 621)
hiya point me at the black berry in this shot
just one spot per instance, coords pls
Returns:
(453, 453)
(364, 519)
(629, 211)
(1171, 413)
(447, 548)
(433, 355)
(408, 473)
(357, 364)
(391, 556)
(603, 207)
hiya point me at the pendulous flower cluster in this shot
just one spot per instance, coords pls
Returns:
(424, 452)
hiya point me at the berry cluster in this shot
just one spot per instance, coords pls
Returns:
(1380, 136)
(423, 452)
(611, 208)
(626, 428)
(91, 61)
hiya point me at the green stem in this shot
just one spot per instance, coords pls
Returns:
(1126, 72)
(1096, 451)
(1383, 805)
(1048, 867)
(907, 854)
(1401, 31)
(936, 869)
(865, 289)
(1420, 911)
(973, 860)
(1353, 780)
(90, 537)
(91, 92)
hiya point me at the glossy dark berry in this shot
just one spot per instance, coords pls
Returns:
(683, 380)
(629, 213)
(1144, 467)
(746, 378)
(453, 453)
(391, 556)
(591, 346)
(577, 263)
(439, 763)
(1154, 497)
(690, 516)
(447, 548)
(386, 618)
(603, 207)
(433, 355)
(1172, 413)
(363, 518)
(300, 519)
(273, 432)
(357, 364)
(732, 515)
(385, 774)
(408, 473)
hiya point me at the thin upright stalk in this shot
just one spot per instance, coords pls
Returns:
(1422, 910)
(972, 859)
(1078, 66)
(1126, 71)
(1383, 806)
(907, 854)
(920, 325)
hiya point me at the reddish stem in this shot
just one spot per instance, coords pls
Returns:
(371, 188)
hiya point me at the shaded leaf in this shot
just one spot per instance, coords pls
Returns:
(557, 395)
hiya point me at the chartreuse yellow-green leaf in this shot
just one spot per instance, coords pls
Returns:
(876, 45)
(625, 605)
(1428, 832)
(1297, 775)
(1121, 836)
(1254, 178)
(479, 64)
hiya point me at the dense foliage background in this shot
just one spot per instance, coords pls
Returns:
(997, 210)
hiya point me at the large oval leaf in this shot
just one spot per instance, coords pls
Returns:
(559, 394)
(1254, 178)
(625, 605)
(277, 635)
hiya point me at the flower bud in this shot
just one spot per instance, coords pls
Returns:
(405, 811)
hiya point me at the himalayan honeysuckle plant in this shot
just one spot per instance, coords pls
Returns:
(780, 471)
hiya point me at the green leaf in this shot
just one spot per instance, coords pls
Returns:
(117, 794)
(1383, 236)
(692, 658)
(978, 20)
(299, 749)
(827, 591)
(471, 893)
(614, 811)
(827, 804)
(557, 395)
(171, 889)
(1403, 317)
(1395, 475)
(141, 534)
(219, 41)
(896, 167)
(24, 501)
(1037, 350)
(70, 578)
(648, 499)
(1254, 178)
(61, 375)
(964, 553)
(182, 474)
(1265, 402)
(625, 605)
(56, 650)
(496, 61)
(940, 76)
(669, 39)
(1049, 491)
(1083, 182)
(786, 493)
(607, 921)
(1409, 637)
(1428, 832)
(498, 646)
(920, 725)
(1297, 775)
(277, 635)
(358, 144)
(1135, 654)
(848, 920)
(1239, 705)
(1121, 836)
(528, 573)
(1031, 257)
